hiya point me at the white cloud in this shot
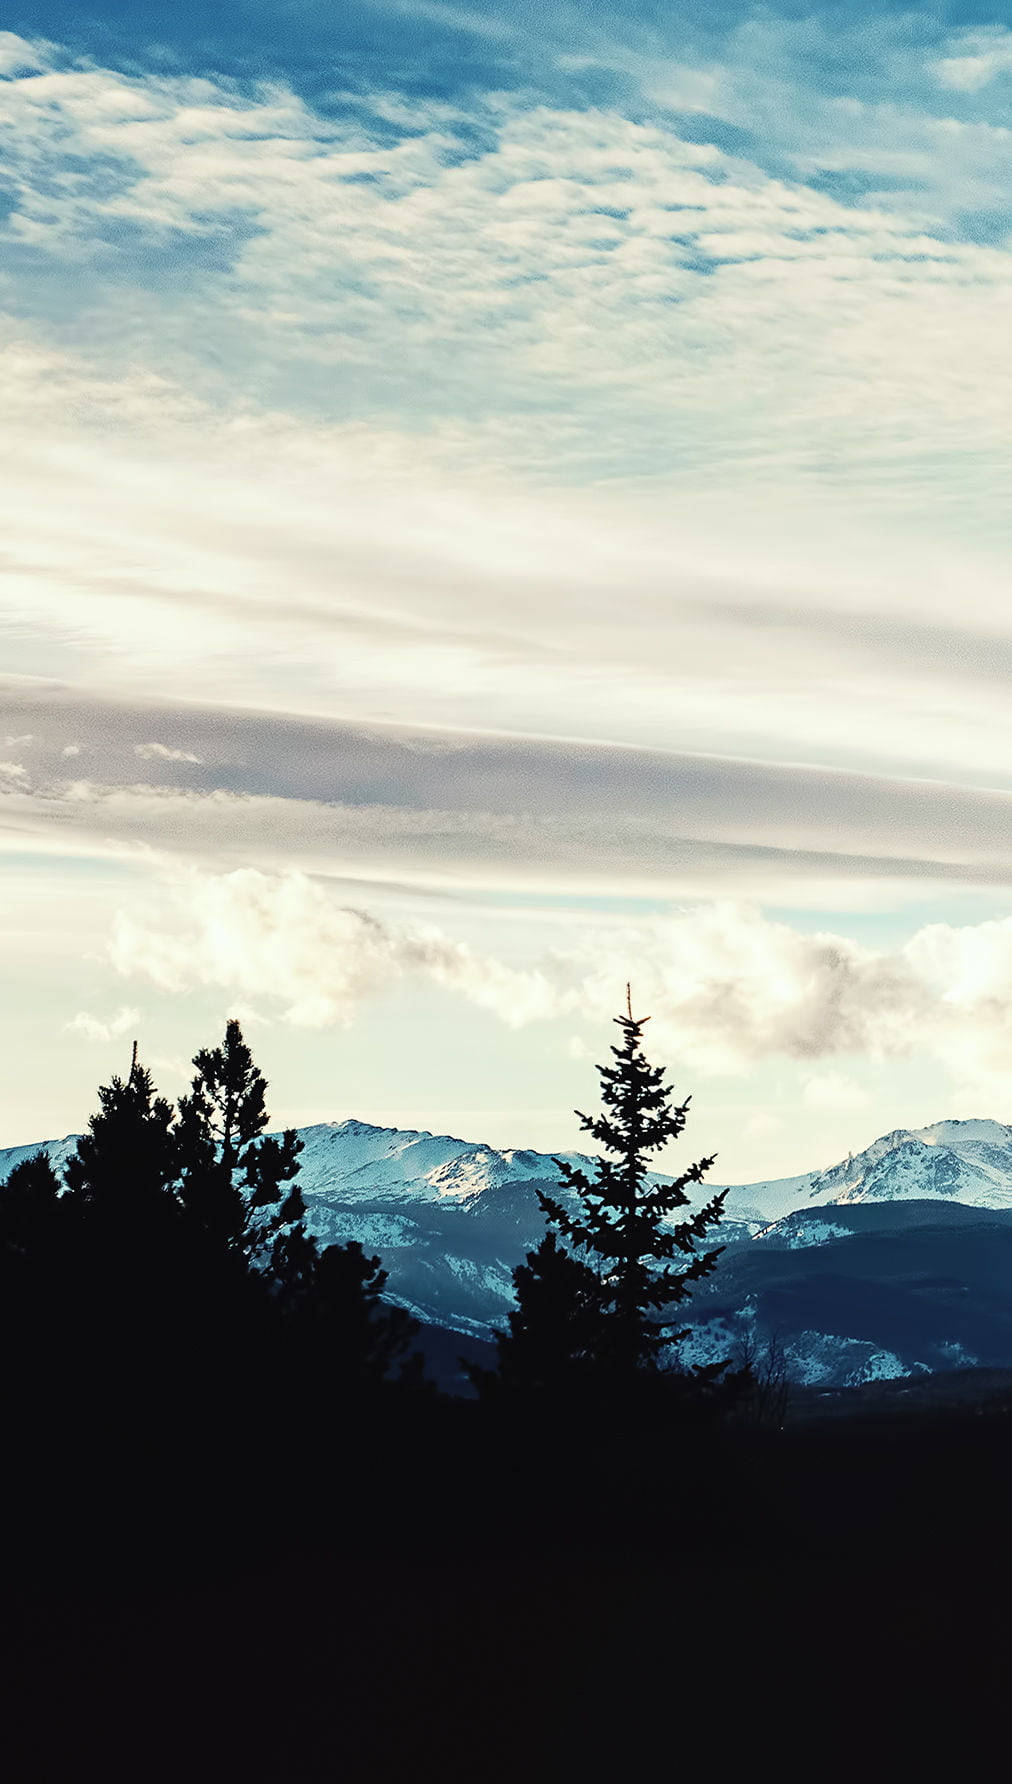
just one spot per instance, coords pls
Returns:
(94, 1028)
(725, 987)
(609, 264)
(18, 56)
(979, 57)
(592, 430)
(586, 298)
(285, 938)
(13, 771)
(160, 752)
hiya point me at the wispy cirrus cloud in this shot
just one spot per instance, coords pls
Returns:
(460, 809)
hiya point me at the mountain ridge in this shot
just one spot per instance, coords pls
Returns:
(895, 1260)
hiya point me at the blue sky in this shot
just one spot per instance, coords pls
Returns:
(497, 501)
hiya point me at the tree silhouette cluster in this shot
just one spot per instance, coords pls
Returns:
(174, 1257)
(178, 1237)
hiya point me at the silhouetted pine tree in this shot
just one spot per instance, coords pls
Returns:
(123, 1170)
(358, 1337)
(36, 1280)
(235, 1185)
(121, 1226)
(619, 1226)
(556, 1332)
(28, 1210)
(32, 1253)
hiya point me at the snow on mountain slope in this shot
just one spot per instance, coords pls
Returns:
(404, 1165)
(59, 1151)
(897, 1258)
(962, 1161)
(958, 1161)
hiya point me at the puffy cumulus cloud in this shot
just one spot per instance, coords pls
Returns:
(726, 987)
(94, 1028)
(968, 971)
(287, 939)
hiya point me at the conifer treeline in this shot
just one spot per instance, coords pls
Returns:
(178, 1237)
(181, 1233)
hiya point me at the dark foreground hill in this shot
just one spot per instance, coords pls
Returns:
(430, 1593)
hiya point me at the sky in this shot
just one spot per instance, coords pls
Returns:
(498, 502)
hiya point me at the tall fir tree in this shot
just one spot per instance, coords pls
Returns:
(121, 1222)
(236, 1184)
(618, 1225)
(123, 1169)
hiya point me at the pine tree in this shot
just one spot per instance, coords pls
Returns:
(32, 1249)
(120, 1224)
(358, 1338)
(619, 1223)
(235, 1184)
(123, 1169)
(28, 1210)
(555, 1333)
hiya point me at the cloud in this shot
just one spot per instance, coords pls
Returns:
(160, 752)
(452, 809)
(13, 771)
(726, 988)
(95, 1029)
(285, 938)
(978, 58)
(610, 266)
(528, 416)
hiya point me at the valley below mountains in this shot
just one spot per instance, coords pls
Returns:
(896, 1262)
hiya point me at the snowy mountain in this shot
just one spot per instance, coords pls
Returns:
(895, 1260)
(959, 1161)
